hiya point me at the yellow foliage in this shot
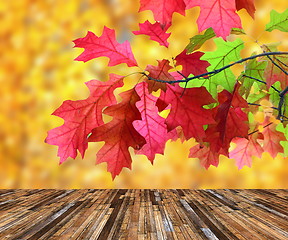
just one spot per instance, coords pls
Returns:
(37, 74)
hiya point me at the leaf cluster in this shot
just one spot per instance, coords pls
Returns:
(205, 100)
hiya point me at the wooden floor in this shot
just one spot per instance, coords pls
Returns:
(143, 214)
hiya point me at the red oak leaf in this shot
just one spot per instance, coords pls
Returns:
(215, 142)
(163, 9)
(81, 117)
(245, 149)
(105, 45)
(206, 156)
(219, 14)
(119, 134)
(272, 138)
(231, 121)
(152, 126)
(156, 32)
(187, 109)
(248, 5)
(159, 72)
(191, 63)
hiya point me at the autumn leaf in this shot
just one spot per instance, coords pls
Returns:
(219, 14)
(105, 45)
(156, 32)
(231, 121)
(248, 5)
(198, 40)
(81, 117)
(159, 72)
(245, 149)
(187, 109)
(119, 134)
(152, 127)
(272, 138)
(163, 9)
(206, 156)
(191, 63)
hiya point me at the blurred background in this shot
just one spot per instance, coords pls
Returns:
(37, 73)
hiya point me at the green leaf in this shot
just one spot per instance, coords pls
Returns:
(198, 40)
(281, 128)
(207, 83)
(273, 95)
(226, 53)
(278, 21)
(274, 98)
(253, 69)
(256, 95)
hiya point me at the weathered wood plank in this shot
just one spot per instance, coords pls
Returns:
(144, 214)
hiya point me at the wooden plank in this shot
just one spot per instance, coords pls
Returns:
(143, 214)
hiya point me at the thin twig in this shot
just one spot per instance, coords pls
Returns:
(277, 65)
(258, 80)
(258, 129)
(259, 105)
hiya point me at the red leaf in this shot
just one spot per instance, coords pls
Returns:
(119, 134)
(272, 138)
(215, 142)
(81, 117)
(248, 5)
(187, 109)
(231, 121)
(219, 14)
(191, 63)
(152, 126)
(156, 32)
(159, 72)
(163, 9)
(206, 156)
(245, 149)
(105, 45)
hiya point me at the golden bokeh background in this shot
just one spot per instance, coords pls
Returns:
(37, 74)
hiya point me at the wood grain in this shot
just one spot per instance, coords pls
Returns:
(143, 214)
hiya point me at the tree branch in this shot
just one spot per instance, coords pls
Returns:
(217, 70)
(268, 54)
